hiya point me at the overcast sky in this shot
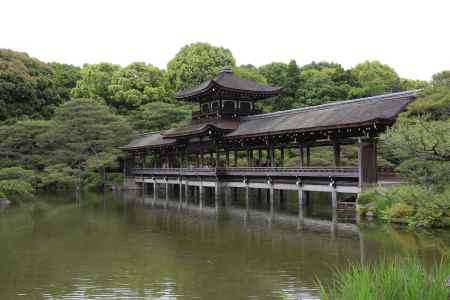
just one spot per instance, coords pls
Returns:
(411, 36)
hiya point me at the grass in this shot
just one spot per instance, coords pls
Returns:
(393, 279)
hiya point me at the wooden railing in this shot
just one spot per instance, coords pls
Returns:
(253, 171)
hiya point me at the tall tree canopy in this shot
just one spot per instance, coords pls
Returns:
(374, 78)
(155, 116)
(95, 81)
(323, 82)
(136, 85)
(275, 73)
(249, 72)
(66, 77)
(197, 62)
(27, 87)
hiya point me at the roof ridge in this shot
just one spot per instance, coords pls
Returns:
(333, 104)
(148, 133)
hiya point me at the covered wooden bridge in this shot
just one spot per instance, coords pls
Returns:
(231, 144)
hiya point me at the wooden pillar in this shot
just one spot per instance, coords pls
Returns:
(337, 154)
(217, 157)
(281, 157)
(235, 158)
(155, 190)
(259, 157)
(272, 156)
(301, 162)
(211, 158)
(308, 156)
(249, 164)
(367, 163)
(201, 159)
(143, 160)
(227, 158)
(167, 161)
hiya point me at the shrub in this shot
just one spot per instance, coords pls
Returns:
(399, 210)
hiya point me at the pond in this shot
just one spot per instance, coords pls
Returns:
(126, 246)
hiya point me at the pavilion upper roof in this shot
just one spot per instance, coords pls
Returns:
(346, 114)
(226, 85)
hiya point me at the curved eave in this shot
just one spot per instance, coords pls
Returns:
(195, 132)
(208, 90)
(313, 129)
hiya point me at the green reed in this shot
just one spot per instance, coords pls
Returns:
(396, 279)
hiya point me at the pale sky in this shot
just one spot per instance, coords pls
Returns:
(411, 36)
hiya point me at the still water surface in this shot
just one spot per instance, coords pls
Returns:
(124, 246)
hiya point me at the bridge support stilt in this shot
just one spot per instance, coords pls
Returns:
(301, 206)
(217, 195)
(167, 194)
(201, 191)
(272, 200)
(247, 199)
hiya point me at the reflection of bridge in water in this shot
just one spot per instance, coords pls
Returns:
(265, 216)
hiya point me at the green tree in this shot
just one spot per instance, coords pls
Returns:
(441, 79)
(249, 72)
(156, 116)
(323, 82)
(290, 89)
(66, 77)
(21, 144)
(135, 85)
(27, 87)
(196, 63)
(85, 131)
(95, 81)
(374, 78)
(276, 73)
(16, 182)
(420, 141)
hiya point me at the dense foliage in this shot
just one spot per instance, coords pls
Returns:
(27, 87)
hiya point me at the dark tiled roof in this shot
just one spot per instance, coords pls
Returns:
(151, 139)
(338, 114)
(227, 80)
(201, 127)
(342, 114)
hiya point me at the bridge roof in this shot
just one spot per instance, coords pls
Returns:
(341, 114)
(381, 109)
(150, 139)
